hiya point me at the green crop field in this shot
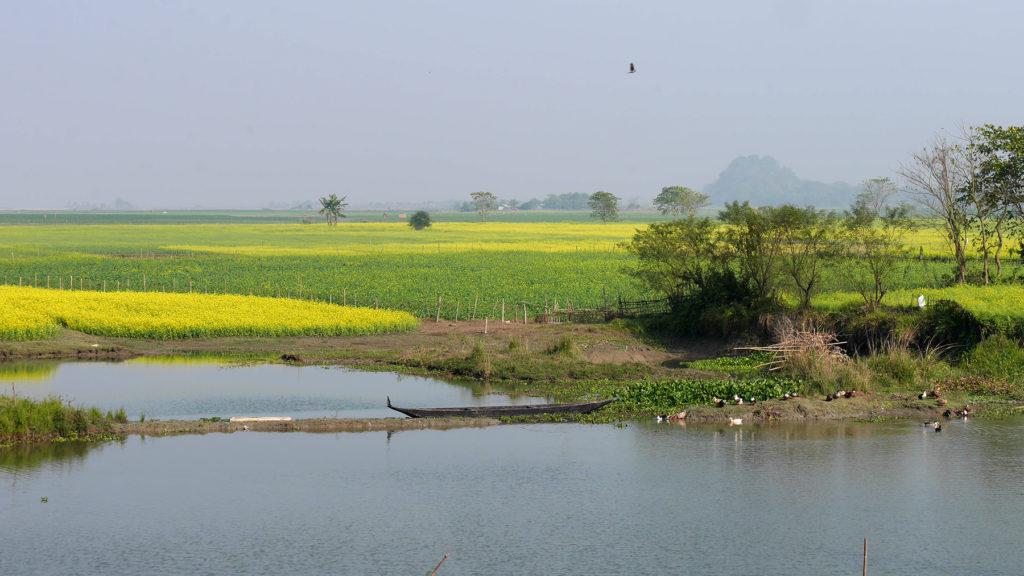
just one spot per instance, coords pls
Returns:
(471, 266)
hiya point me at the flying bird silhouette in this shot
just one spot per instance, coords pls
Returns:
(632, 69)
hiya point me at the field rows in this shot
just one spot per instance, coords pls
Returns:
(34, 313)
(472, 267)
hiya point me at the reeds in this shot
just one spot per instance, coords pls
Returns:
(24, 419)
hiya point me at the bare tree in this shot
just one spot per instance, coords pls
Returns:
(935, 178)
(485, 202)
(875, 195)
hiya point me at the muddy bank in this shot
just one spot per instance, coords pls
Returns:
(175, 427)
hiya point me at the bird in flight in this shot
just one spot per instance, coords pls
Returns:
(632, 69)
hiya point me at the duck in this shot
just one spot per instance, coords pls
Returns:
(735, 421)
(850, 393)
(947, 413)
(662, 419)
(935, 424)
(923, 395)
(718, 401)
(787, 396)
(839, 394)
(678, 417)
(736, 398)
(753, 400)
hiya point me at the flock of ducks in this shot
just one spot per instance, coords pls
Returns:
(962, 414)
(721, 402)
(840, 394)
(738, 401)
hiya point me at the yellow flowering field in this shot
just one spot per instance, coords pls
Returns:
(1000, 306)
(35, 313)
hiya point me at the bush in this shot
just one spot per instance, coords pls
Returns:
(869, 333)
(564, 347)
(947, 323)
(996, 357)
(420, 220)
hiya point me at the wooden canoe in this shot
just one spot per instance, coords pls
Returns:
(499, 411)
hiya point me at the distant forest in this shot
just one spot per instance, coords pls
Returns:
(759, 180)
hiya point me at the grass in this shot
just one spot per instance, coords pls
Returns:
(23, 419)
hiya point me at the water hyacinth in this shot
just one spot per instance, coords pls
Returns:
(33, 313)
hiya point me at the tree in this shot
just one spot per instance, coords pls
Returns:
(874, 245)
(333, 208)
(604, 205)
(678, 200)
(935, 177)
(485, 203)
(678, 258)
(875, 196)
(809, 238)
(420, 220)
(754, 242)
(999, 153)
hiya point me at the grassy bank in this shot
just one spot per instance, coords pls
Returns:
(52, 419)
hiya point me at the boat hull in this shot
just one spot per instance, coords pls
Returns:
(499, 411)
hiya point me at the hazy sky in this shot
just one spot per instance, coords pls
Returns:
(240, 104)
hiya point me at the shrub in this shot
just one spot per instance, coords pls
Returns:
(420, 220)
(947, 323)
(564, 346)
(996, 357)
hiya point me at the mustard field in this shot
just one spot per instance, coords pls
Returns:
(34, 313)
(457, 269)
(471, 267)
(998, 307)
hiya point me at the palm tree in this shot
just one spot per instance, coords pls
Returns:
(333, 208)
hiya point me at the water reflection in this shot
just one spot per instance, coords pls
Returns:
(20, 371)
(200, 387)
(572, 499)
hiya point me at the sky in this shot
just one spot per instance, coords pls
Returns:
(254, 103)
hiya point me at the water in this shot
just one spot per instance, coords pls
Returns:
(203, 389)
(531, 499)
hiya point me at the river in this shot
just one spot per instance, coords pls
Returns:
(638, 498)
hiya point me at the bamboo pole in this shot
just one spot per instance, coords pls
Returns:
(438, 318)
(475, 300)
(865, 557)
(439, 563)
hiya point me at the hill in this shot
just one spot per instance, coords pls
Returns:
(762, 181)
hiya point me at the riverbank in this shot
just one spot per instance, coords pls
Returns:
(312, 425)
(565, 362)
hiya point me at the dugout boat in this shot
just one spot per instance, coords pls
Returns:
(499, 411)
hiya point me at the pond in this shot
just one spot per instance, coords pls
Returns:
(170, 389)
(639, 498)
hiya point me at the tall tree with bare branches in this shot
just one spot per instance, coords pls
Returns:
(935, 178)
